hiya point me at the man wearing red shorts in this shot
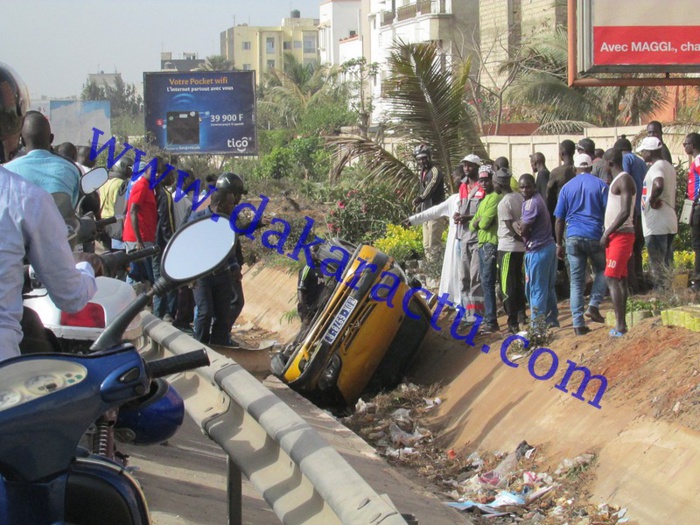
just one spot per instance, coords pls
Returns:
(618, 239)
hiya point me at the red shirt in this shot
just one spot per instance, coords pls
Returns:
(694, 178)
(145, 197)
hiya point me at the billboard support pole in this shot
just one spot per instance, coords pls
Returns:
(573, 35)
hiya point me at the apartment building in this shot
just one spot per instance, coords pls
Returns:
(452, 24)
(506, 24)
(339, 25)
(261, 48)
(188, 62)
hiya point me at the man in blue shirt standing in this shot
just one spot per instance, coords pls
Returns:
(581, 209)
(40, 166)
(637, 168)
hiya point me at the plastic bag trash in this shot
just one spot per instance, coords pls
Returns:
(507, 498)
(402, 415)
(475, 460)
(431, 403)
(466, 505)
(399, 437)
(391, 452)
(523, 448)
(568, 464)
(506, 467)
(529, 478)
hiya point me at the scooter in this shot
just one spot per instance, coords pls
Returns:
(48, 400)
(77, 331)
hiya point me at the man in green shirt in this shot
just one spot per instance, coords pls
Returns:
(485, 223)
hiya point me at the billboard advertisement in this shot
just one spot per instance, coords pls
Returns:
(73, 120)
(639, 35)
(201, 112)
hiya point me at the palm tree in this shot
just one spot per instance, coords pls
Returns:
(290, 91)
(216, 63)
(541, 85)
(425, 105)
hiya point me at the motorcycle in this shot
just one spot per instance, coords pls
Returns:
(47, 401)
(77, 331)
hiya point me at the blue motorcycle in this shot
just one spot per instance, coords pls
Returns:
(47, 401)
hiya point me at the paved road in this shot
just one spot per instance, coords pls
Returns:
(185, 481)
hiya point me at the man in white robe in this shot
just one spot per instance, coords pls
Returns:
(451, 276)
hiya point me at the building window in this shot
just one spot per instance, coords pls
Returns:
(270, 44)
(270, 64)
(309, 44)
(246, 67)
(297, 44)
(247, 46)
(287, 46)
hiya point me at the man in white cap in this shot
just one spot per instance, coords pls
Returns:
(581, 211)
(659, 221)
(470, 196)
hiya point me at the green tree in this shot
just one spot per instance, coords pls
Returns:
(91, 91)
(216, 63)
(126, 105)
(425, 105)
(358, 73)
(291, 91)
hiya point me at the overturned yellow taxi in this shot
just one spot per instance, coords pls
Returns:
(365, 335)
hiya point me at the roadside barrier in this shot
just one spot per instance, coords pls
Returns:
(301, 477)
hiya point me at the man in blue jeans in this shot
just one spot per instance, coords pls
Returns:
(485, 223)
(581, 209)
(535, 228)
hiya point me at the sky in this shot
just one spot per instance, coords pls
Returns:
(54, 44)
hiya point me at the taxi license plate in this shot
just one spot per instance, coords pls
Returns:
(340, 320)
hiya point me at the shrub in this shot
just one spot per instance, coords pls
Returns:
(401, 243)
(361, 215)
(682, 260)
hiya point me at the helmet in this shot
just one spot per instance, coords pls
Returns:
(153, 418)
(229, 181)
(123, 167)
(421, 151)
(14, 103)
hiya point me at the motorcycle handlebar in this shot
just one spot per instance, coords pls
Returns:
(179, 363)
(105, 222)
(119, 260)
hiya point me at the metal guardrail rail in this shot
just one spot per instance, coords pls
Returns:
(301, 477)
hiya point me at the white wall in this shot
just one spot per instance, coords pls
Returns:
(519, 148)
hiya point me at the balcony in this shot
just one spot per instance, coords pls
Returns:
(406, 12)
(387, 18)
(421, 7)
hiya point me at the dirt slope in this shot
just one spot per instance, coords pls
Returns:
(649, 454)
(646, 435)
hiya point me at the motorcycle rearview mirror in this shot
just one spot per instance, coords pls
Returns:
(195, 250)
(93, 180)
(198, 249)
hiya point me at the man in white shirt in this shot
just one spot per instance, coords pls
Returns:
(659, 221)
(31, 227)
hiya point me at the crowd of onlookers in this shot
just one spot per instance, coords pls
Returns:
(591, 215)
(147, 215)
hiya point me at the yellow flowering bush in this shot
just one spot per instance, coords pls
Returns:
(401, 243)
(682, 260)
